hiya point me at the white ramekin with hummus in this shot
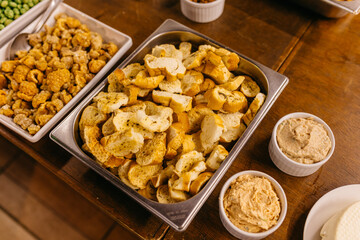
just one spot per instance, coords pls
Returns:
(252, 205)
(301, 143)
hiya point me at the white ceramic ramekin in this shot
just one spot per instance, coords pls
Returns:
(288, 165)
(202, 12)
(236, 232)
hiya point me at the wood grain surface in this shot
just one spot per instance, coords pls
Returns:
(320, 57)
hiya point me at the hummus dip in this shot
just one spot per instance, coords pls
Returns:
(252, 204)
(303, 140)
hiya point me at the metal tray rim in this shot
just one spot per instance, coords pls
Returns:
(182, 223)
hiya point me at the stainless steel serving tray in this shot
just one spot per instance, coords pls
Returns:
(123, 41)
(177, 215)
(331, 8)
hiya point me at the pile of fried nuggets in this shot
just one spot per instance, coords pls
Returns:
(39, 82)
(162, 126)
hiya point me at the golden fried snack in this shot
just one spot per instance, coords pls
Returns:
(62, 60)
(171, 118)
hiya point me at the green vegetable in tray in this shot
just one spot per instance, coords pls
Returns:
(11, 10)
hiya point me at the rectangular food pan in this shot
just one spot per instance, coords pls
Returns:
(24, 20)
(108, 34)
(177, 215)
(331, 8)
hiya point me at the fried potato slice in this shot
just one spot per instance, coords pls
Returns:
(163, 195)
(249, 87)
(154, 118)
(235, 102)
(139, 175)
(216, 69)
(212, 128)
(91, 116)
(254, 108)
(233, 84)
(199, 182)
(217, 156)
(109, 102)
(162, 177)
(123, 171)
(187, 161)
(122, 144)
(153, 150)
(149, 191)
(172, 68)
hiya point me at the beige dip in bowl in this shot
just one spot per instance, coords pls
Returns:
(252, 204)
(303, 140)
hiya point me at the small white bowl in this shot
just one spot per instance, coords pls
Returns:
(235, 231)
(202, 12)
(290, 166)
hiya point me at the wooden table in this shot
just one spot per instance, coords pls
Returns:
(320, 56)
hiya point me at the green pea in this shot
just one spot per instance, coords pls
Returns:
(35, 1)
(18, 1)
(9, 14)
(25, 1)
(16, 16)
(2, 26)
(23, 10)
(12, 4)
(2, 20)
(4, 4)
(16, 11)
(26, 6)
(8, 21)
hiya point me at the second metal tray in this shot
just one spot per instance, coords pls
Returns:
(331, 8)
(177, 215)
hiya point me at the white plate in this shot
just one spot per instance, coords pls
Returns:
(328, 205)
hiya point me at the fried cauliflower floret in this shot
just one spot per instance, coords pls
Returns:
(8, 66)
(27, 90)
(55, 106)
(33, 129)
(56, 79)
(41, 64)
(35, 76)
(28, 61)
(3, 98)
(3, 81)
(81, 57)
(20, 73)
(65, 96)
(96, 65)
(40, 98)
(23, 121)
(111, 48)
(82, 39)
(7, 111)
(72, 22)
(35, 39)
(43, 119)
(95, 41)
